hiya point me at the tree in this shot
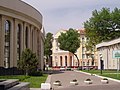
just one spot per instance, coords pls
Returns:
(48, 46)
(103, 26)
(28, 61)
(70, 41)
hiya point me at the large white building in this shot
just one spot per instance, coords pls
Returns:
(105, 53)
(20, 27)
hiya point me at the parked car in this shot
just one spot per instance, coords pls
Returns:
(68, 68)
(62, 68)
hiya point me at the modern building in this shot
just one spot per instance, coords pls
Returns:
(61, 58)
(20, 27)
(106, 52)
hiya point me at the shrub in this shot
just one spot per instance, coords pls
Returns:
(36, 73)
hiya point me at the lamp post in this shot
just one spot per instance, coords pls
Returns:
(101, 63)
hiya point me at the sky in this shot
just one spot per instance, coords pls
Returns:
(65, 14)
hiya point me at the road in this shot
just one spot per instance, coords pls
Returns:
(66, 76)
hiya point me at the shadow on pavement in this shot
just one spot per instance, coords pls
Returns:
(53, 72)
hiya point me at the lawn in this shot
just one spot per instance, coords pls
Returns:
(106, 73)
(35, 81)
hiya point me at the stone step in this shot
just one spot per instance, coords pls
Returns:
(20, 86)
(4, 85)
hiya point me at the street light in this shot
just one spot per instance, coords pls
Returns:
(101, 63)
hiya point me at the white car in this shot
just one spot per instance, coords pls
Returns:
(62, 69)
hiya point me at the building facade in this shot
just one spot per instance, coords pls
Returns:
(60, 58)
(105, 54)
(87, 58)
(20, 27)
(67, 59)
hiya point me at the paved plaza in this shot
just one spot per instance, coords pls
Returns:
(66, 76)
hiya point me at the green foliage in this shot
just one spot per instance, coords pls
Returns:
(48, 45)
(35, 81)
(36, 73)
(28, 61)
(70, 41)
(103, 26)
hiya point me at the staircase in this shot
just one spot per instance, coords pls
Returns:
(13, 84)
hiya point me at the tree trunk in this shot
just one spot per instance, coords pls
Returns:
(26, 72)
(77, 59)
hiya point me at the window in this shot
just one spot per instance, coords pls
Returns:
(83, 49)
(18, 41)
(87, 56)
(83, 56)
(32, 39)
(65, 60)
(70, 60)
(61, 61)
(88, 63)
(7, 44)
(26, 37)
(83, 40)
(83, 63)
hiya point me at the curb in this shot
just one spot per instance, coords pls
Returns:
(48, 80)
(99, 76)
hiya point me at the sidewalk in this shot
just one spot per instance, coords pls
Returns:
(67, 76)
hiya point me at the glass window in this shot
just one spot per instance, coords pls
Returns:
(83, 49)
(83, 38)
(32, 39)
(18, 41)
(7, 45)
(26, 37)
(83, 56)
(61, 61)
(65, 60)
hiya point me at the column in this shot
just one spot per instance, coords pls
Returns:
(15, 43)
(22, 38)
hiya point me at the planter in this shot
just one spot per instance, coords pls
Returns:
(57, 83)
(74, 82)
(88, 81)
(104, 81)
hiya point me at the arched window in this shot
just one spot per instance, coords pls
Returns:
(7, 44)
(18, 41)
(70, 60)
(61, 61)
(65, 60)
(26, 37)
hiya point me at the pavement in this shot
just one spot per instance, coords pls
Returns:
(66, 76)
